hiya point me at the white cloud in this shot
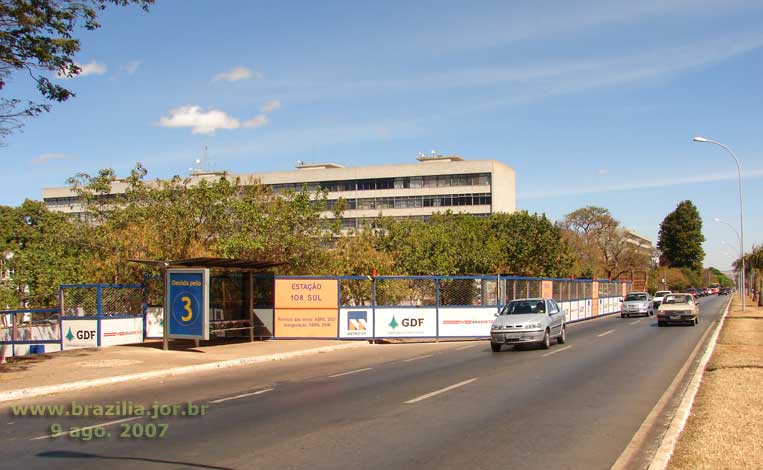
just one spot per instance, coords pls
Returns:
(603, 171)
(270, 106)
(132, 67)
(91, 68)
(48, 157)
(258, 121)
(237, 73)
(207, 122)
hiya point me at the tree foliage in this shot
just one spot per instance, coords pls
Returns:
(37, 36)
(47, 249)
(457, 244)
(600, 244)
(680, 238)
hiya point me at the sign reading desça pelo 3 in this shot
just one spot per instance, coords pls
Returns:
(188, 303)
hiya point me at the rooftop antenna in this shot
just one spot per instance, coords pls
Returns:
(202, 163)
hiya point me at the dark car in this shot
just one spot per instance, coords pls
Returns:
(725, 291)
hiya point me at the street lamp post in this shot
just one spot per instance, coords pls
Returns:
(741, 212)
(738, 247)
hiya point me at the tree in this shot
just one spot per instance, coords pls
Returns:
(37, 36)
(49, 249)
(529, 245)
(180, 218)
(680, 238)
(600, 244)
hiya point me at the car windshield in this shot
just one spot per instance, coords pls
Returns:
(677, 299)
(523, 307)
(635, 297)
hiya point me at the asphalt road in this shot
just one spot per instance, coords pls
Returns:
(445, 406)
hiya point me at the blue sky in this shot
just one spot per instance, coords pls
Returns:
(592, 103)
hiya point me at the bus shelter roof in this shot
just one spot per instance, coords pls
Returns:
(221, 264)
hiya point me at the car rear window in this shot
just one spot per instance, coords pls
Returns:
(676, 299)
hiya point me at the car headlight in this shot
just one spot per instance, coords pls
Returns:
(496, 327)
(534, 325)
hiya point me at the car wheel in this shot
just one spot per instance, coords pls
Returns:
(622, 315)
(562, 336)
(496, 347)
(660, 323)
(546, 343)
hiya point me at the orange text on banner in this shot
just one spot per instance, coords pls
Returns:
(302, 323)
(306, 293)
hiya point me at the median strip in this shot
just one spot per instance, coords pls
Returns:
(556, 351)
(605, 333)
(350, 372)
(244, 395)
(438, 392)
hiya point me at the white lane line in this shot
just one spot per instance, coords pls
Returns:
(605, 333)
(416, 358)
(465, 347)
(557, 351)
(350, 372)
(634, 322)
(101, 425)
(442, 390)
(243, 395)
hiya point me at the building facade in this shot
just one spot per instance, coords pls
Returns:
(416, 190)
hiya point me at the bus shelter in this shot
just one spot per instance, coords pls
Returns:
(214, 296)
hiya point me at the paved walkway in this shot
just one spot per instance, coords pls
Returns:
(45, 370)
(724, 430)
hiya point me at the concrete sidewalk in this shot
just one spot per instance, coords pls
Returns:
(724, 429)
(78, 369)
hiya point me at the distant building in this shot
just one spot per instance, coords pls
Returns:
(415, 190)
(640, 243)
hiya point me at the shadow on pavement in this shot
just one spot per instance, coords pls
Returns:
(62, 454)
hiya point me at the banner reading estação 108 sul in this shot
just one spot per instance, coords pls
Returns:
(306, 308)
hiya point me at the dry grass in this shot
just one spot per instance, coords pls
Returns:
(725, 429)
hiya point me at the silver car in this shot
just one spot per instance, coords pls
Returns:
(637, 303)
(523, 321)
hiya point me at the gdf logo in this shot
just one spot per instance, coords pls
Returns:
(85, 334)
(413, 322)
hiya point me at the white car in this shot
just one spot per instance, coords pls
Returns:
(523, 321)
(658, 296)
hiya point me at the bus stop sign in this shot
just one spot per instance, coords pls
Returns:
(188, 303)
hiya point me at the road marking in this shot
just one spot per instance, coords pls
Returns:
(244, 395)
(442, 390)
(557, 351)
(465, 347)
(416, 358)
(634, 322)
(605, 333)
(102, 425)
(350, 372)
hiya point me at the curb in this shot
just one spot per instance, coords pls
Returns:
(173, 372)
(665, 451)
